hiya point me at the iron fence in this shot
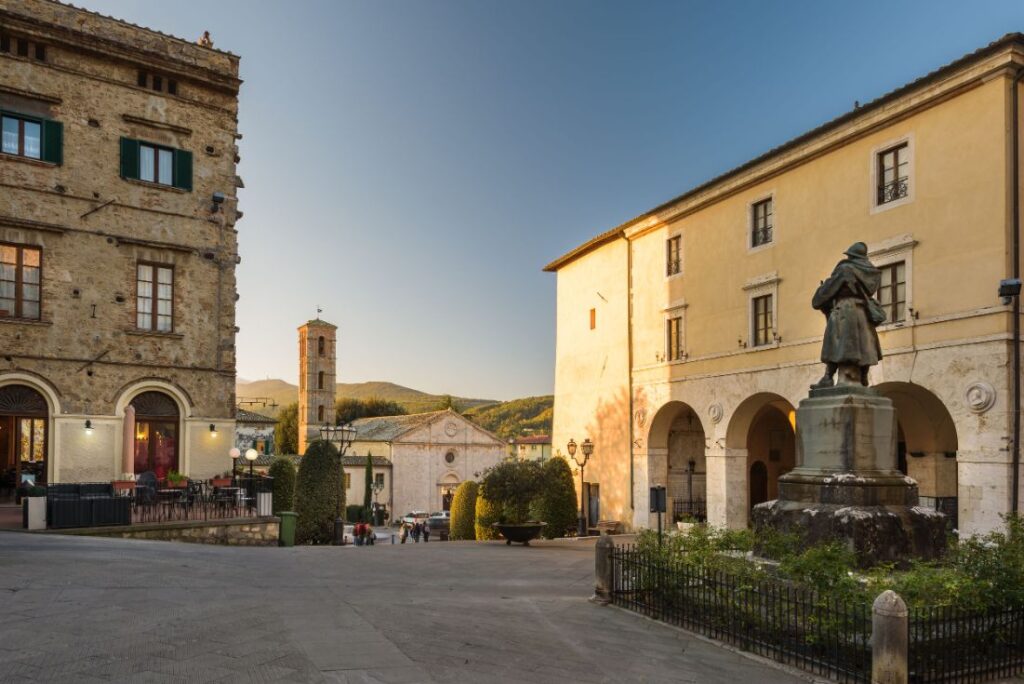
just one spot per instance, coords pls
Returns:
(952, 646)
(770, 618)
(697, 509)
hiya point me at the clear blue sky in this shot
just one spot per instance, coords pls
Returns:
(411, 166)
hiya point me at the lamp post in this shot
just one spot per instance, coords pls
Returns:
(234, 454)
(587, 449)
(251, 455)
(376, 487)
(340, 436)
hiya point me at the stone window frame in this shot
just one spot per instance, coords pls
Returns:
(890, 251)
(749, 228)
(676, 309)
(767, 284)
(679, 266)
(156, 265)
(876, 152)
(19, 300)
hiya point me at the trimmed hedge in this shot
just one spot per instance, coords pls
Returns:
(355, 513)
(283, 472)
(317, 491)
(464, 511)
(556, 504)
(487, 512)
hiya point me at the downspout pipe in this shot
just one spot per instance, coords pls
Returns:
(1015, 250)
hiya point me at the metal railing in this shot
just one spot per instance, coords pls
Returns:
(943, 504)
(952, 646)
(890, 192)
(696, 509)
(773, 619)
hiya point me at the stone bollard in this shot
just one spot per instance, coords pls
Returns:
(889, 639)
(603, 581)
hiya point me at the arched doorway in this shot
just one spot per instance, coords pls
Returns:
(926, 444)
(446, 487)
(676, 450)
(156, 433)
(24, 432)
(763, 426)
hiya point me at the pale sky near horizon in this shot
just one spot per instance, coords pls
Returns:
(411, 166)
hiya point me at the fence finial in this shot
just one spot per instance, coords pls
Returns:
(889, 639)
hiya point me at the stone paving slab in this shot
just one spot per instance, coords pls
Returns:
(98, 609)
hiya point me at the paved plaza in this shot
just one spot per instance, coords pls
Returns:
(89, 609)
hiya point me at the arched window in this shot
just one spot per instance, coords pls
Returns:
(320, 380)
(156, 433)
(24, 415)
(321, 345)
(320, 413)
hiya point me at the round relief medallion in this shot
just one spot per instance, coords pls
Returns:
(980, 397)
(715, 412)
(451, 429)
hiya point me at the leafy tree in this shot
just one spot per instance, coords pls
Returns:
(368, 485)
(464, 511)
(348, 409)
(531, 415)
(513, 485)
(286, 433)
(556, 504)
(283, 472)
(318, 489)
(448, 402)
(487, 512)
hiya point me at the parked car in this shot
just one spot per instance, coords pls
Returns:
(439, 526)
(415, 517)
(441, 514)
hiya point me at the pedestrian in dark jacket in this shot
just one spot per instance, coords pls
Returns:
(426, 532)
(416, 531)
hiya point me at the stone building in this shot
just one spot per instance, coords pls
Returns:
(685, 336)
(430, 455)
(531, 447)
(117, 247)
(317, 388)
(254, 431)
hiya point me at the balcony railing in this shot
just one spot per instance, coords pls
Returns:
(890, 192)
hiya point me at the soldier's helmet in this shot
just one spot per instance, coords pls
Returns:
(857, 249)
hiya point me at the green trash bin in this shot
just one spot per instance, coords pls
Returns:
(287, 537)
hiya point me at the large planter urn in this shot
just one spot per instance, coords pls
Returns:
(521, 534)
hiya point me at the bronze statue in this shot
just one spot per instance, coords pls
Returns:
(847, 299)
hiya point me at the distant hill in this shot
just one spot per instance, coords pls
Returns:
(414, 401)
(515, 418)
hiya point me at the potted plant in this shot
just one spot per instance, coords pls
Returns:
(33, 512)
(685, 523)
(176, 479)
(125, 484)
(512, 486)
(223, 480)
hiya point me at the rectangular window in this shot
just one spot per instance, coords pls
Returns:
(20, 270)
(40, 52)
(154, 307)
(379, 478)
(762, 323)
(156, 164)
(674, 338)
(593, 318)
(674, 255)
(158, 83)
(892, 293)
(5, 43)
(893, 173)
(22, 137)
(22, 47)
(761, 223)
(348, 480)
(141, 79)
(172, 86)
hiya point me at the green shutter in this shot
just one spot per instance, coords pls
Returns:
(129, 158)
(183, 169)
(53, 141)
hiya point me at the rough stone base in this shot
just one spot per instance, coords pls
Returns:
(874, 533)
(250, 532)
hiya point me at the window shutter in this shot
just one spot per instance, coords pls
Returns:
(53, 142)
(183, 169)
(129, 158)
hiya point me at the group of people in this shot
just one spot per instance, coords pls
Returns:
(363, 534)
(415, 530)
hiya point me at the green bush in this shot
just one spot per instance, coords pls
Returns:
(464, 511)
(283, 472)
(286, 433)
(556, 504)
(513, 486)
(487, 512)
(355, 513)
(317, 491)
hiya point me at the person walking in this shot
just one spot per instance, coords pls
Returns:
(416, 532)
(403, 533)
(371, 536)
(426, 531)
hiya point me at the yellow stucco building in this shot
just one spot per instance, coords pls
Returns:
(685, 336)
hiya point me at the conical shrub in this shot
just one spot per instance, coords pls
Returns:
(556, 504)
(316, 492)
(487, 512)
(283, 472)
(464, 511)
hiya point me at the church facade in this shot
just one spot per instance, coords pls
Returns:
(686, 336)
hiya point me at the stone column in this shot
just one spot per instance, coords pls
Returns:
(603, 579)
(889, 639)
(984, 483)
(727, 487)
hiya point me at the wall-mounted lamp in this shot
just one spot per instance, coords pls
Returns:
(213, 430)
(88, 427)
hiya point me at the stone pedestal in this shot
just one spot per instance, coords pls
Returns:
(846, 485)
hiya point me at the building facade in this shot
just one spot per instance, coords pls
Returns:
(685, 337)
(117, 247)
(531, 447)
(430, 454)
(317, 387)
(254, 431)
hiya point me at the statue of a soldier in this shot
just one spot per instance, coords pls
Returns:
(847, 299)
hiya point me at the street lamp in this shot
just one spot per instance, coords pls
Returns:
(234, 454)
(587, 448)
(376, 486)
(251, 455)
(340, 436)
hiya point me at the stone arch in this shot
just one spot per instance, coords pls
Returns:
(677, 459)
(927, 443)
(761, 441)
(132, 390)
(45, 471)
(446, 486)
(39, 384)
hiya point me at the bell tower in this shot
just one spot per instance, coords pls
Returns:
(316, 379)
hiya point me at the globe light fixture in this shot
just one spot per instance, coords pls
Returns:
(587, 449)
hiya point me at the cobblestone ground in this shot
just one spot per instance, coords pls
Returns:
(88, 609)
